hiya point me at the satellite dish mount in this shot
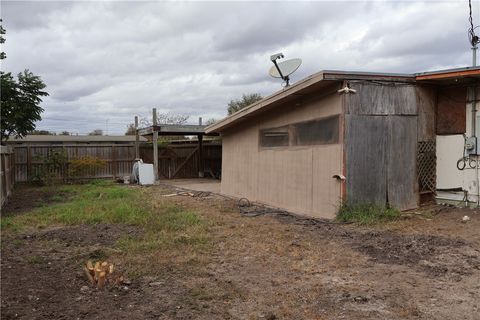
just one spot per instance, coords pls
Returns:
(284, 69)
(274, 58)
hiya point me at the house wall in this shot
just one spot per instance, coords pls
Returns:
(457, 114)
(298, 179)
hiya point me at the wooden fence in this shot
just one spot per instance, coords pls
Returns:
(181, 161)
(7, 178)
(175, 161)
(119, 159)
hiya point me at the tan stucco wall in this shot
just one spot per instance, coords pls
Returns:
(298, 179)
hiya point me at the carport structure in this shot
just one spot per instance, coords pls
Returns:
(152, 132)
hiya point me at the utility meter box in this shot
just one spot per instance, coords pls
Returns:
(471, 145)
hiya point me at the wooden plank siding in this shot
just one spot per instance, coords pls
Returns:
(381, 143)
(366, 154)
(402, 162)
(381, 99)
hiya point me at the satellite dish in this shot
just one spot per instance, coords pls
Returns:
(283, 69)
(287, 67)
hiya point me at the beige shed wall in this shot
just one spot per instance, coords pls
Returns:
(298, 179)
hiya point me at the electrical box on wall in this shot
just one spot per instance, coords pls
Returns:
(471, 145)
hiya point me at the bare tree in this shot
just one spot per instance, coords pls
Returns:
(130, 130)
(210, 121)
(96, 132)
(165, 118)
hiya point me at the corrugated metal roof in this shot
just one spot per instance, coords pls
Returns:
(84, 139)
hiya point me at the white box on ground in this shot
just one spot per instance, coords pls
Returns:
(145, 173)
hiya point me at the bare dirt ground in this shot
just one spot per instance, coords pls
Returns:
(28, 197)
(426, 266)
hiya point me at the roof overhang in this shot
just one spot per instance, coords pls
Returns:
(314, 83)
(174, 130)
(323, 79)
(459, 76)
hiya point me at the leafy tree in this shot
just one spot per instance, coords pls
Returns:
(64, 133)
(20, 100)
(245, 101)
(96, 132)
(20, 103)
(2, 40)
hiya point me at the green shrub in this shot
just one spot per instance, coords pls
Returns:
(86, 166)
(52, 169)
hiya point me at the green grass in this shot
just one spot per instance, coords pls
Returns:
(89, 204)
(168, 233)
(105, 202)
(174, 227)
(366, 214)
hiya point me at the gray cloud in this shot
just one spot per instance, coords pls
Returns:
(108, 61)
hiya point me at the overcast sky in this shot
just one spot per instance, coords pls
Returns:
(109, 61)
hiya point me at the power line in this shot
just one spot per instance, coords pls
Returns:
(86, 120)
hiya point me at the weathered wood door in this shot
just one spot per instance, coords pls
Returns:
(402, 181)
(366, 153)
(381, 159)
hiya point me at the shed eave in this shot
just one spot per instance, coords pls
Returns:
(258, 106)
(325, 75)
(449, 74)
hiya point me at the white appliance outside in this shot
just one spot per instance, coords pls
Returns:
(146, 174)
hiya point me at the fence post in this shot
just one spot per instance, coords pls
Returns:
(29, 163)
(137, 140)
(3, 189)
(200, 156)
(155, 144)
(114, 162)
(6, 172)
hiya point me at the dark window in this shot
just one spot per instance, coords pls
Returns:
(320, 131)
(276, 137)
(314, 132)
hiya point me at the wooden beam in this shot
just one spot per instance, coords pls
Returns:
(155, 145)
(137, 140)
(200, 156)
(174, 130)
